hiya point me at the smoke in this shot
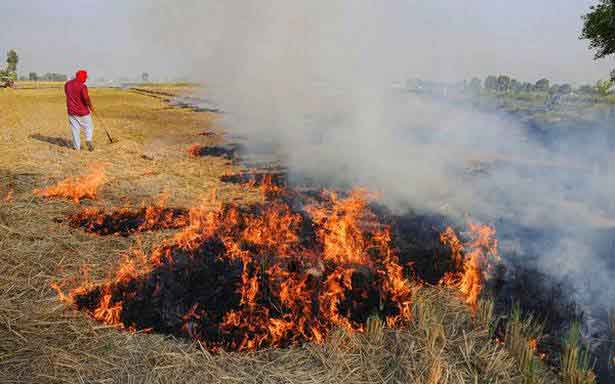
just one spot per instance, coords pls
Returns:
(314, 82)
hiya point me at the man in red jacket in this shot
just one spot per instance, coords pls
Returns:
(79, 107)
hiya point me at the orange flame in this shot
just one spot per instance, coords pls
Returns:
(297, 276)
(478, 255)
(194, 150)
(340, 229)
(9, 196)
(107, 309)
(268, 188)
(77, 188)
(125, 220)
(314, 286)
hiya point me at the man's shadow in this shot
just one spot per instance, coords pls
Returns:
(59, 141)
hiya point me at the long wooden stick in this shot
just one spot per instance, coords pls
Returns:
(104, 128)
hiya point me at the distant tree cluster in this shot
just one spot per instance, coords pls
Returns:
(50, 76)
(542, 85)
(10, 73)
(506, 84)
(475, 85)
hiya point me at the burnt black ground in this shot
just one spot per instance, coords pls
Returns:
(126, 223)
(203, 281)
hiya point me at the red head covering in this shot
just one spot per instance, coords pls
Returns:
(81, 75)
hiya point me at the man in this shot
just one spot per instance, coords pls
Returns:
(79, 107)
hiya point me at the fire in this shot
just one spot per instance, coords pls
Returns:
(77, 188)
(148, 172)
(449, 237)
(8, 197)
(107, 312)
(268, 188)
(125, 221)
(106, 308)
(194, 150)
(268, 184)
(247, 278)
(341, 231)
(473, 258)
(268, 275)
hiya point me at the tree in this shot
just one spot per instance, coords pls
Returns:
(604, 87)
(565, 88)
(32, 76)
(515, 85)
(7, 78)
(491, 83)
(475, 85)
(11, 61)
(542, 85)
(53, 77)
(587, 89)
(527, 87)
(599, 29)
(503, 83)
(145, 77)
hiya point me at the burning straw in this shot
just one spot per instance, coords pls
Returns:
(266, 276)
(77, 188)
(126, 221)
(473, 259)
(194, 150)
(242, 279)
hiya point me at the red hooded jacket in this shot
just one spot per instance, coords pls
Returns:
(77, 97)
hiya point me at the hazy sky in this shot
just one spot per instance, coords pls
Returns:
(444, 39)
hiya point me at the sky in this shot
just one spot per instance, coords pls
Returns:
(438, 39)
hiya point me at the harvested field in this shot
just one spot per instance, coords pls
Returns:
(43, 341)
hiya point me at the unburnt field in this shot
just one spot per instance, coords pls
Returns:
(43, 341)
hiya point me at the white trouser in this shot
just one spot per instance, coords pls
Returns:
(78, 122)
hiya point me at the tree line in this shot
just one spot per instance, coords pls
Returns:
(9, 74)
(506, 84)
(49, 76)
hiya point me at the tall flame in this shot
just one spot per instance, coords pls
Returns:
(473, 258)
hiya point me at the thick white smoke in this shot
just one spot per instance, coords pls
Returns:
(315, 81)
